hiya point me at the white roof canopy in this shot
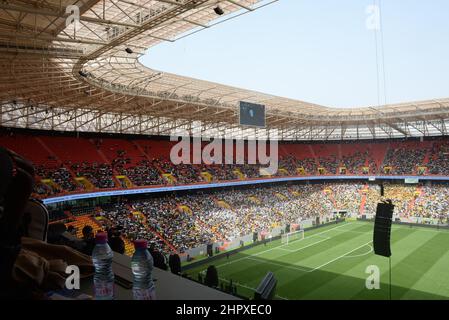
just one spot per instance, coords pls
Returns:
(78, 76)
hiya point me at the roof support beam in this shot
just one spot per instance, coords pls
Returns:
(63, 15)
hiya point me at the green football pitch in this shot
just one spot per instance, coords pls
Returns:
(331, 263)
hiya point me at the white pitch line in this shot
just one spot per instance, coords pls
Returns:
(343, 255)
(277, 247)
(371, 249)
(302, 248)
(353, 231)
(319, 236)
(418, 228)
(288, 250)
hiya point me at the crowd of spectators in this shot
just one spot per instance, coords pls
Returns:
(288, 163)
(220, 172)
(144, 174)
(432, 203)
(133, 227)
(42, 189)
(404, 160)
(439, 159)
(398, 160)
(329, 163)
(190, 220)
(61, 176)
(355, 162)
(309, 165)
(179, 227)
(100, 175)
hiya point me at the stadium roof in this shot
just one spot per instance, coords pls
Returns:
(86, 76)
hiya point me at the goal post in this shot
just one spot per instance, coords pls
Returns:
(286, 238)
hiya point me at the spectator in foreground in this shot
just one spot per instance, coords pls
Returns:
(174, 262)
(211, 278)
(89, 240)
(16, 184)
(158, 258)
(116, 242)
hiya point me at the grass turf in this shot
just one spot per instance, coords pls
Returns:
(331, 262)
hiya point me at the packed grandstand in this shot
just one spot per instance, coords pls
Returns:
(190, 221)
(108, 163)
(179, 222)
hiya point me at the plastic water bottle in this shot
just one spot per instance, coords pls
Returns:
(142, 268)
(102, 260)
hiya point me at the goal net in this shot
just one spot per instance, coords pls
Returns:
(286, 238)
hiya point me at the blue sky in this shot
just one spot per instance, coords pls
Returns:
(321, 51)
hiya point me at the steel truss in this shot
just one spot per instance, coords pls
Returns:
(41, 117)
(86, 76)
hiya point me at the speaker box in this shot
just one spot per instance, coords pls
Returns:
(382, 229)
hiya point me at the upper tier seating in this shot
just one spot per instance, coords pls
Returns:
(68, 164)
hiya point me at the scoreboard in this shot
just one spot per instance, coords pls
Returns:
(252, 114)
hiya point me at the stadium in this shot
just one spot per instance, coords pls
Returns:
(108, 144)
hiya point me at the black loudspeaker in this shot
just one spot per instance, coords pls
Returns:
(382, 229)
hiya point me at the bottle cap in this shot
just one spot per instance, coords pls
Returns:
(101, 238)
(141, 244)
